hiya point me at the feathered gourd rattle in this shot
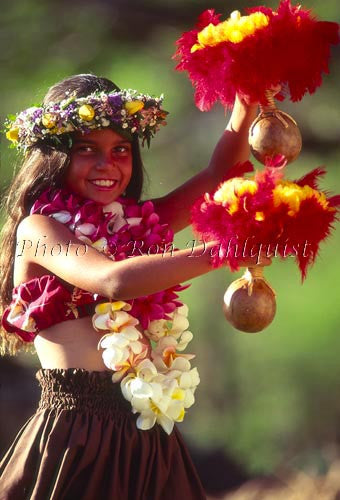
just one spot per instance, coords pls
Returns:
(250, 55)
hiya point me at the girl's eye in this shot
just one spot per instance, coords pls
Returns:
(122, 150)
(84, 149)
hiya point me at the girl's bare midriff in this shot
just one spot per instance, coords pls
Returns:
(70, 344)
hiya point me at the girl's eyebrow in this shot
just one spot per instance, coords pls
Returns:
(89, 141)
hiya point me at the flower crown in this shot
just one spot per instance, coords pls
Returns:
(128, 110)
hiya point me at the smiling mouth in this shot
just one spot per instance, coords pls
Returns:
(108, 183)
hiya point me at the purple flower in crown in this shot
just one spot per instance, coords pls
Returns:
(59, 123)
(37, 114)
(116, 119)
(36, 130)
(71, 108)
(115, 101)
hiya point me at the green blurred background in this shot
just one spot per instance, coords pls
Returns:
(268, 400)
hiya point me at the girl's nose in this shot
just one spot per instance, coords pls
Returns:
(105, 161)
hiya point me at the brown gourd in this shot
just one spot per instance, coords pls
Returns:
(274, 132)
(249, 303)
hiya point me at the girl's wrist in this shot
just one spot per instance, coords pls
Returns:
(242, 115)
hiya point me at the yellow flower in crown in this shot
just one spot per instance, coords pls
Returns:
(86, 112)
(13, 134)
(133, 107)
(48, 120)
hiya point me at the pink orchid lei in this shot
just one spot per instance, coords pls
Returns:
(156, 377)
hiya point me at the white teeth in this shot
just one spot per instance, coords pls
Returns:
(101, 182)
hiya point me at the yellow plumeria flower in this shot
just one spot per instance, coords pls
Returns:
(178, 394)
(133, 107)
(181, 416)
(86, 112)
(48, 120)
(117, 305)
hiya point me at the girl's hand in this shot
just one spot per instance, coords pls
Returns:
(258, 260)
(247, 101)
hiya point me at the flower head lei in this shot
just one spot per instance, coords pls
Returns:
(128, 110)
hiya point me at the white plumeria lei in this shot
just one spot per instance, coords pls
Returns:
(155, 376)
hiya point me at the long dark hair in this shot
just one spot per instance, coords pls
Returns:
(44, 167)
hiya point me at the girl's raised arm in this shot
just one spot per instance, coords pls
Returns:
(232, 147)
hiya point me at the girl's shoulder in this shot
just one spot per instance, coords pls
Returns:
(29, 225)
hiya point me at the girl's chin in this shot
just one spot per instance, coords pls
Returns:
(104, 200)
(104, 197)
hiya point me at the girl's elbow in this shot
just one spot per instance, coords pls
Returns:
(114, 285)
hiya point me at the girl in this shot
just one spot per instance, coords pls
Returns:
(75, 210)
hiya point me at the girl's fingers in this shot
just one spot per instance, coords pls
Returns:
(276, 89)
(257, 260)
(264, 261)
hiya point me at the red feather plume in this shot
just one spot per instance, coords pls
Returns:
(292, 50)
(290, 224)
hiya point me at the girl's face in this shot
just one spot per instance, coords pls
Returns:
(101, 165)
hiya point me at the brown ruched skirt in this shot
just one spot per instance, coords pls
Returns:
(83, 444)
